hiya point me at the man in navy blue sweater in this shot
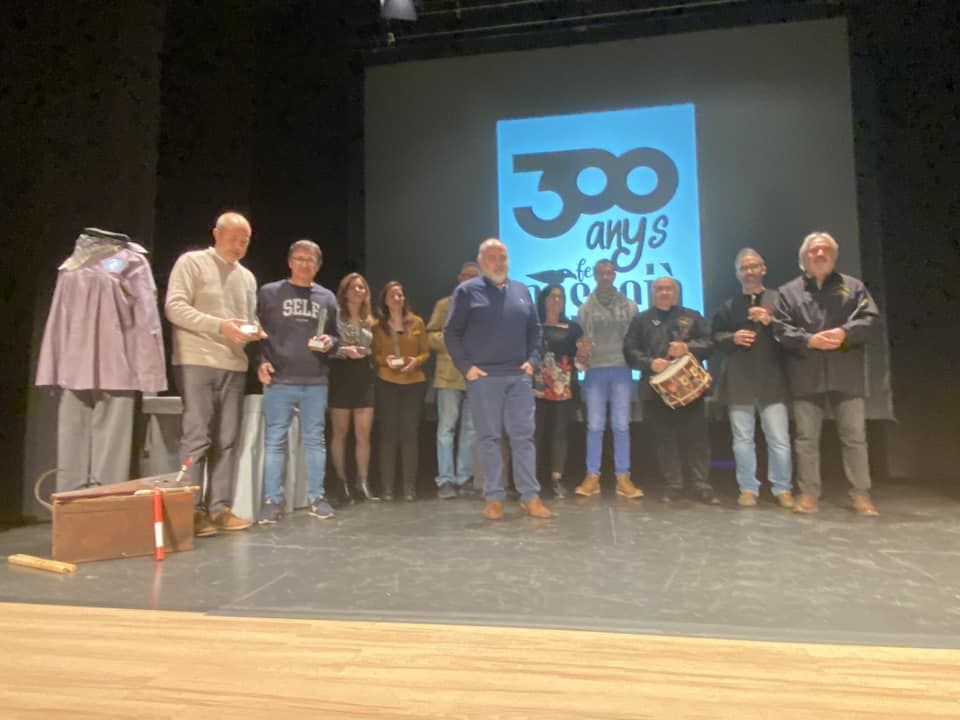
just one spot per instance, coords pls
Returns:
(493, 336)
(300, 319)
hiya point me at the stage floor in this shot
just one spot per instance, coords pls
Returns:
(100, 663)
(604, 564)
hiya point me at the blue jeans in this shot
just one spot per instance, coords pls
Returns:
(279, 402)
(451, 406)
(603, 386)
(776, 429)
(504, 403)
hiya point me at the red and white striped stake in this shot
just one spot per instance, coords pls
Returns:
(157, 524)
(183, 469)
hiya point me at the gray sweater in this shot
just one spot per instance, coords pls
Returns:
(606, 326)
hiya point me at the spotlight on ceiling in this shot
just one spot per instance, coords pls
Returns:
(398, 10)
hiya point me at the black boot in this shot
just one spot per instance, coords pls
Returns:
(363, 490)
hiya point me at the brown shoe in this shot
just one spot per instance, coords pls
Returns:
(625, 488)
(747, 499)
(534, 507)
(589, 486)
(493, 510)
(864, 506)
(226, 520)
(202, 527)
(785, 499)
(805, 504)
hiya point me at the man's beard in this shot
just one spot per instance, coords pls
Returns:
(498, 277)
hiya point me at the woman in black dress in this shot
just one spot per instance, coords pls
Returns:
(352, 377)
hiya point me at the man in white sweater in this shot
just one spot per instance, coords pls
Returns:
(211, 303)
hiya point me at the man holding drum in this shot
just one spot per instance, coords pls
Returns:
(664, 337)
(752, 381)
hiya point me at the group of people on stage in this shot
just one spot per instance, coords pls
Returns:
(507, 375)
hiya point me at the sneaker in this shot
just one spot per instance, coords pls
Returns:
(671, 495)
(589, 486)
(226, 520)
(534, 507)
(785, 499)
(493, 510)
(805, 505)
(202, 527)
(625, 488)
(446, 491)
(747, 499)
(270, 513)
(863, 505)
(320, 508)
(467, 490)
(708, 497)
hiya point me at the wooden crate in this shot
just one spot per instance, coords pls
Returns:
(112, 521)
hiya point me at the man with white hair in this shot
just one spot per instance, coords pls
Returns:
(493, 336)
(823, 319)
(751, 381)
(211, 303)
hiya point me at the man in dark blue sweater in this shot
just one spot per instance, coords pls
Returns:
(300, 319)
(493, 336)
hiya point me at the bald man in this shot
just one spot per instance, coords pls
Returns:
(211, 303)
(493, 336)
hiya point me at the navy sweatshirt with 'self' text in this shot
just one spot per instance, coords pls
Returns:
(289, 315)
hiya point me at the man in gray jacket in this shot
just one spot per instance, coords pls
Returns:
(822, 319)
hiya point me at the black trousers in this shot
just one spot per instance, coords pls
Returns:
(682, 439)
(552, 424)
(398, 409)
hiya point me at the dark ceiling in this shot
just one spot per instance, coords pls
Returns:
(465, 26)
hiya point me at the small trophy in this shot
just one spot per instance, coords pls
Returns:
(754, 325)
(397, 362)
(315, 343)
(250, 327)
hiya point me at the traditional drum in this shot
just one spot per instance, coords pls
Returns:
(683, 381)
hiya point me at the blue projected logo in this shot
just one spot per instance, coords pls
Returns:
(620, 185)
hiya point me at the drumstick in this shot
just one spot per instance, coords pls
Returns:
(187, 463)
(168, 490)
(39, 563)
(860, 306)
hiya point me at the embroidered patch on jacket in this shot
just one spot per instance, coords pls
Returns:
(113, 265)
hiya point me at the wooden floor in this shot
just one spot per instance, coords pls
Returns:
(70, 662)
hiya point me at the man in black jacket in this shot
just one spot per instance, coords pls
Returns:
(822, 319)
(655, 338)
(752, 381)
